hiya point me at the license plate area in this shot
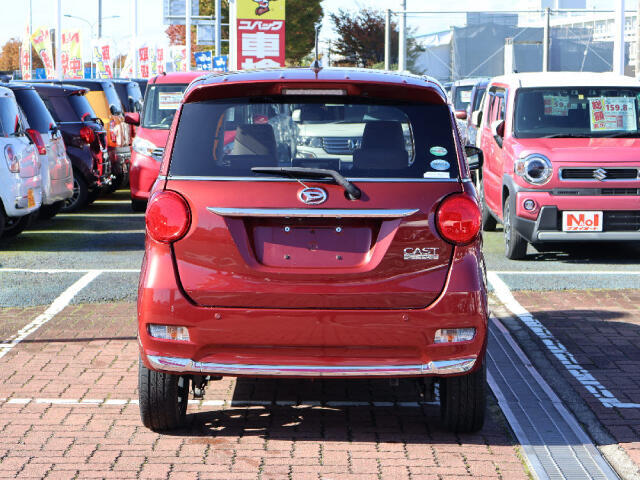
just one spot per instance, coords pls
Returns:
(317, 246)
(582, 221)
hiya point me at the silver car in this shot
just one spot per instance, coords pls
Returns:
(56, 170)
(20, 185)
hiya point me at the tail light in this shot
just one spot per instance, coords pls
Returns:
(168, 217)
(36, 138)
(458, 219)
(87, 135)
(12, 160)
(112, 131)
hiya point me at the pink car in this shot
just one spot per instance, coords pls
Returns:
(561, 158)
(162, 96)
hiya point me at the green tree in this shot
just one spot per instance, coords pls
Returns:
(302, 16)
(361, 39)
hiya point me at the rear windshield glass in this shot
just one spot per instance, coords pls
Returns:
(160, 104)
(577, 112)
(69, 108)
(9, 117)
(463, 97)
(34, 108)
(356, 138)
(477, 101)
(112, 96)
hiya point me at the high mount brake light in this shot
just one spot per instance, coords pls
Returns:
(87, 135)
(168, 217)
(36, 138)
(458, 219)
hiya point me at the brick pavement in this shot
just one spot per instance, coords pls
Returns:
(601, 328)
(291, 429)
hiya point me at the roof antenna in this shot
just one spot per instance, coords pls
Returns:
(315, 66)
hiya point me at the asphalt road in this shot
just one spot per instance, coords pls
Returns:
(108, 235)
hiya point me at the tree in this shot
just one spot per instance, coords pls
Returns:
(361, 39)
(10, 56)
(302, 16)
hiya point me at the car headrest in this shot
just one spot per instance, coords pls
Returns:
(254, 140)
(385, 135)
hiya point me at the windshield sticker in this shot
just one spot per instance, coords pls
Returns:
(465, 96)
(438, 151)
(436, 175)
(439, 164)
(556, 105)
(612, 113)
(169, 100)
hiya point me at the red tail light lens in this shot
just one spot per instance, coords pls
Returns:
(36, 138)
(458, 219)
(87, 135)
(168, 217)
(12, 160)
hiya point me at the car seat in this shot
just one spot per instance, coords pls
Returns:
(383, 147)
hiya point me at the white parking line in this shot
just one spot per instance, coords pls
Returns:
(56, 307)
(558, 350)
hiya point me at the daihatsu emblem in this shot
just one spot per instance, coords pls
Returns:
(600, 174)
(312, 196)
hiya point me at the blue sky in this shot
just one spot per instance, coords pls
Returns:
(150, 27)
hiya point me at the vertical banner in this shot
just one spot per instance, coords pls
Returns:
(127, 69)
(260, 33)
(178, 55)
(72, 66)
(143, 62)
(41, 41)
(25, 65)
(103, 59)
(160, 60)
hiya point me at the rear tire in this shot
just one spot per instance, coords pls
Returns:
(138, 205)
(163, 399)
(93, 195)
(50, 211)
(79, 199)
(463, 401)
(16, 225)
(515, 247)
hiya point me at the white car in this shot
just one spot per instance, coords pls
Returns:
(20, 184)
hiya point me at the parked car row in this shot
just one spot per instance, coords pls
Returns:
(560, 157)
(64, 144)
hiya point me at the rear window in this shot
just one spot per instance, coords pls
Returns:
(34, 108)
(477, 103)
(359, 139)
(160, 104)
(69, 108)
(462, 97)
(9, 117)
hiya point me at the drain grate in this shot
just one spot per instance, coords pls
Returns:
(554, 443)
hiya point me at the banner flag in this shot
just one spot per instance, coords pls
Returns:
(41, 41)
(72, 66)
(103, 59)
(260, 33)
(127, 69)
(178, 55)
(25, 65)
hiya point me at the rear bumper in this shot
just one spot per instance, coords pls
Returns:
(144, 172)
(438, 367)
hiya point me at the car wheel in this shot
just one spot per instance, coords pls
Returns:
(15, 225)
(138, 205)
(50, 211)
(94, 194)
(79, 199)
(463, 401)
(515, 247)
(163, 398)
(488, 221)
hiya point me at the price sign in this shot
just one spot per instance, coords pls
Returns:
(613, 113)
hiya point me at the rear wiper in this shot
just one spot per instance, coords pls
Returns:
(566, 135)
(302, 172)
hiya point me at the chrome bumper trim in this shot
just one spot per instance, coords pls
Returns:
(311, 212)
(594, 236)
(186, 365)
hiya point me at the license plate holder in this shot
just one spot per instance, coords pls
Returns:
(582, 221)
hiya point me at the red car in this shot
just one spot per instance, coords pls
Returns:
(561, 153)
(162, 96)
(263, 264)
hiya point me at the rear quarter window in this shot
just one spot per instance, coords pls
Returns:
(35, 110)
(359, 139)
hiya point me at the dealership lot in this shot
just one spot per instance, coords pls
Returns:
(68, 374)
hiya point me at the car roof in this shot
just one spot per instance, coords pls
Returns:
(17, 86)
(176, 77)
(6, 92)
(566, 79)
(57, 88)
(338, 76)
(470, 81)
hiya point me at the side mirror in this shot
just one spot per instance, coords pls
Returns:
(476, 118)
(497, 130)
(296, 115)
(461, 114)
(114, 110)
(132, 118)
(475, 157)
